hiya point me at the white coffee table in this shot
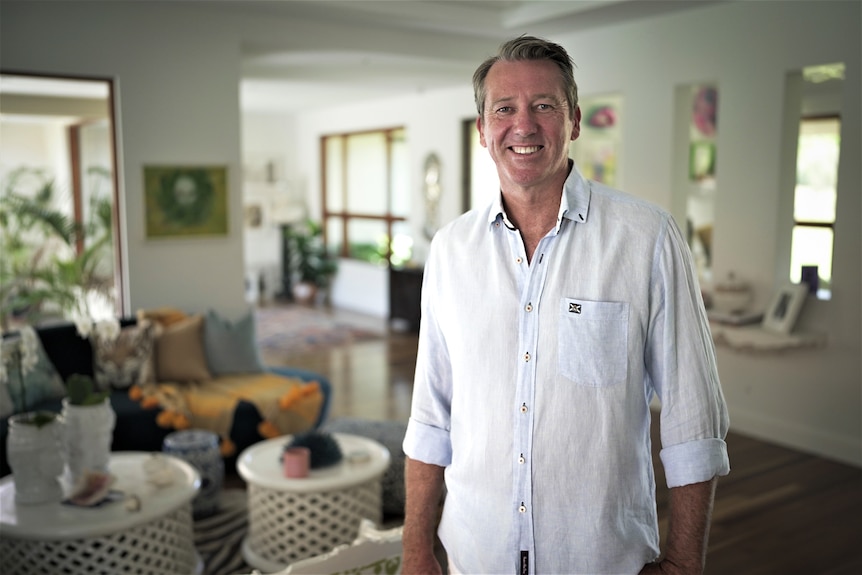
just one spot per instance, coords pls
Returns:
(61, 538)
(292, 519)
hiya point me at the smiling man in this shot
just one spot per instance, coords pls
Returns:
(550, 319)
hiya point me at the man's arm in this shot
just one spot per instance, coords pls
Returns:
(424, 486)
(688, 530)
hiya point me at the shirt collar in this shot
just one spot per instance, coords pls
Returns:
(574, 204)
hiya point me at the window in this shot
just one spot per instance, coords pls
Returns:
(366, 197)
(814, 202)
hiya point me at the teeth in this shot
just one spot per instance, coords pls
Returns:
(525, 149)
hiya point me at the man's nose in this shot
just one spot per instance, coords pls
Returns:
(525, 122)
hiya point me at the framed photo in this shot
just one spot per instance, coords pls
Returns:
(185, 201)
(253, 216)
(784, 308)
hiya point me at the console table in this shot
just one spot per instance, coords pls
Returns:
(292, 519)
(109, 538)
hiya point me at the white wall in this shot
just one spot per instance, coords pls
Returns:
(810, 399)
(177, 78)
(178, 73)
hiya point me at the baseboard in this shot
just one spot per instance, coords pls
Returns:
(844, 449)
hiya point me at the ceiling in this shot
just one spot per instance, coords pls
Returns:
(275, 79)
(421, 44)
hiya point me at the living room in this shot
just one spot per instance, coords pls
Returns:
(178, 67)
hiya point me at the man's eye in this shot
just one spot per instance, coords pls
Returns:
(504, 110)
(544, 107)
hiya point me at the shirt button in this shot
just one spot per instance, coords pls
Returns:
(527, 356)
(518, 260)
(528, 307)
(522, 460)
(522, 508)
(523, 408)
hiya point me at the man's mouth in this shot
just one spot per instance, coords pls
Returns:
(525, 150)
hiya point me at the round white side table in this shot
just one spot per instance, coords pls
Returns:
(60, 538)
(292, 519)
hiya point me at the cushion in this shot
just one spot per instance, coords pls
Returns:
(391, 435)
(41, 382)
(180, 352)
(125, 360)
(231, 347)
(163, 316)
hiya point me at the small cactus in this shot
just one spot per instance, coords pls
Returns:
(81, 391)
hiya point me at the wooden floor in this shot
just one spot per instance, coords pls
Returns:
(779, 512)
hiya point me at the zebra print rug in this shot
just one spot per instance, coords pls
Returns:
(218, 538)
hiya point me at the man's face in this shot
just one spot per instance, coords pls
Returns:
(526, 124)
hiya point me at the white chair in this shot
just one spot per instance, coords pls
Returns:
(373, 552)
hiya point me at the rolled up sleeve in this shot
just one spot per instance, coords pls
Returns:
(427, 444)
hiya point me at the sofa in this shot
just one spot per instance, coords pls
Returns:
(138, 427)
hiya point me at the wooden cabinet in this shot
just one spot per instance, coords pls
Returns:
(405, 292)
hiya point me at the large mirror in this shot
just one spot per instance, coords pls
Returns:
(809, 182)
(58, 155)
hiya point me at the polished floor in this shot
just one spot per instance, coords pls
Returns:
(779, 512)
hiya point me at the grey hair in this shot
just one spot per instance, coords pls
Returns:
(528, 48)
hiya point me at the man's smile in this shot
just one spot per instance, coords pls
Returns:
(525, 149)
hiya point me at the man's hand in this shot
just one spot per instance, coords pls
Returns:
(662, 567)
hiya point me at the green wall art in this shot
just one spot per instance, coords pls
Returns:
(183, 201)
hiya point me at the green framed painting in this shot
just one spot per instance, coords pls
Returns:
(185, 201)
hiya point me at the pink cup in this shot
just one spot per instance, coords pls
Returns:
(296, 461)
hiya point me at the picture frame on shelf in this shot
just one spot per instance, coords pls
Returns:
(784, 309)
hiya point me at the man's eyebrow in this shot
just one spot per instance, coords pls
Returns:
(508, 99)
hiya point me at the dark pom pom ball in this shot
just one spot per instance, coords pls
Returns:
(323, 447)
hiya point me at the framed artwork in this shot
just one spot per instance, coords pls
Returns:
(597, 149)
(253, 216)
(701, 160)
(784, 308)
(185, 201)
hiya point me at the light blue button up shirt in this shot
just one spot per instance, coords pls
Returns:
(533, 384)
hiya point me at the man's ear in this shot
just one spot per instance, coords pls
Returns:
(576, 124)
(481, 130)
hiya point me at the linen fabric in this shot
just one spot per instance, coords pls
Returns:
(533, 384)
(180, 352)
(231, 347)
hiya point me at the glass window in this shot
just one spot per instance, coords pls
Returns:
(814, 202)
(366, 194)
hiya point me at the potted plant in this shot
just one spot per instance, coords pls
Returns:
(34, 442)
(89, 420)
(311, 265)
(51, 263)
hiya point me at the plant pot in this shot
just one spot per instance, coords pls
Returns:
(35, 455)
(89, 433)
(305, 293)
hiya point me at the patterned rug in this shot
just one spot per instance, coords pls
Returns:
(218, 538)
(297, 329)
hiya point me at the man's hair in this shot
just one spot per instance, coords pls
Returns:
(528, 48)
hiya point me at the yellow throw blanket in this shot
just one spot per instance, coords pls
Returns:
(286, 405)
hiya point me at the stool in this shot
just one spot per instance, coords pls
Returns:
(199, 448)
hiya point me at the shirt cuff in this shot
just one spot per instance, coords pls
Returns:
(695, 461)
(427, 444)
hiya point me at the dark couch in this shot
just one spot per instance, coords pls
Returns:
(136, 428)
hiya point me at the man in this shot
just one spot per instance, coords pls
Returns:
(549, 321)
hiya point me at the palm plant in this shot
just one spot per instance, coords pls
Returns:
(50, 262)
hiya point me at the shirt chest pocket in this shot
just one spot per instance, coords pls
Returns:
(592, 342)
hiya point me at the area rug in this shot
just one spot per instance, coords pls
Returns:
(298, 329)
(218, 538)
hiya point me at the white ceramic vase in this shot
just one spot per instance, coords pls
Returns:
(89, 432)
(35, 455)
